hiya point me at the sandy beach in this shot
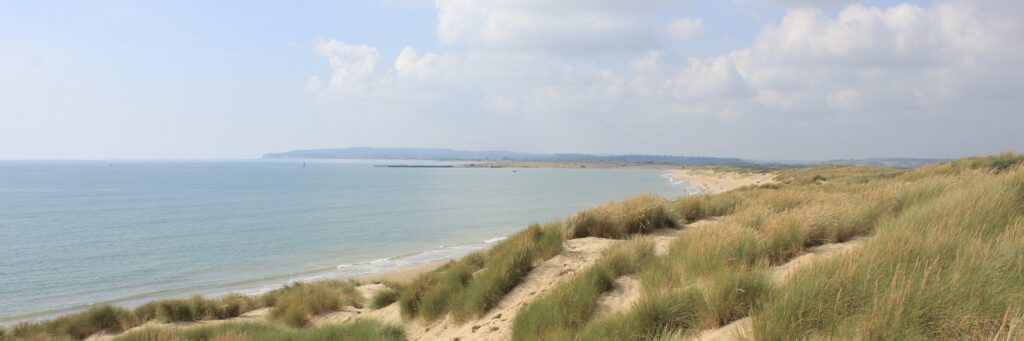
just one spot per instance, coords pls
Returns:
(711, 181)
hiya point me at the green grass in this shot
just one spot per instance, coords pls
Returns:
(360, 330)
(296, 304)
(293, 305)
(567, 307)
(196, 308)
(947, 268)
(473, 285)
(428, 295)
(701, 206)
(75, 326)
(654, 315)
(621, 219)
(384, 298)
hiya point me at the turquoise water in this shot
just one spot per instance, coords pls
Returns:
(86, 232)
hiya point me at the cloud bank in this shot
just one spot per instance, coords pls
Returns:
(938, 80)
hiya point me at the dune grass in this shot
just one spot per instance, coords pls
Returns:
(472, 285)
(939, 263)
(942, 259)
(948, 268)
(653, 316)
(297, 303)
(293, 305)
(384, 298)
(701, 206)
(621, 219)
(361, 330)
(567, 307)
(76, 326)
(196, 308)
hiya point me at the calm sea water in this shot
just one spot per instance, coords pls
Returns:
(78, 233)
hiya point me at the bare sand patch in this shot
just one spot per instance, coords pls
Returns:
(712, 181)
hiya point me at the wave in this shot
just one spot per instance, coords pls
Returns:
(494, 240)
(688, 187)
(382, 265)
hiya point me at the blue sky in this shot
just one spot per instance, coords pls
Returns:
(783, 79)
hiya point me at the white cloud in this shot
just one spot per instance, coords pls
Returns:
(552, 27)
(812, 3)
(712, 78)
(686, 28)
(411, 64)
(354, 68)
(599, 62)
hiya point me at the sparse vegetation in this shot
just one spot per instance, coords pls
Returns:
(473, 285)
(296, 304)
(196, 308)
(76, 326)
(568, 307)
(293, 305)
(361, 330)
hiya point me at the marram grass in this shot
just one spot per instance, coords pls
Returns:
(361, 330)
(568, 307)
(942, 257)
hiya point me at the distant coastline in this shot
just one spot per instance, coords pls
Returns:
(500, 158)
(497, 156)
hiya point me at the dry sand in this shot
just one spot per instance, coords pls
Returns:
(577, 255)
(711, 181)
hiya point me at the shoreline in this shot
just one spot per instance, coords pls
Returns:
(712, 181)
(705, 180)
(405, 275)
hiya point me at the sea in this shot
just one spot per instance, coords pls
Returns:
(79, 233)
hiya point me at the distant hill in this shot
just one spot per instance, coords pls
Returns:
(493, 155)
(887, 162)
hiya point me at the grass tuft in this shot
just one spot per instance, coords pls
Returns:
(296, 304)
(384, 298)
(361, 330)
(471, 286)
(568, 307)
(621, 219)
(76, 326)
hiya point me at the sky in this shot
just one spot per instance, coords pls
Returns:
(768, 79)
